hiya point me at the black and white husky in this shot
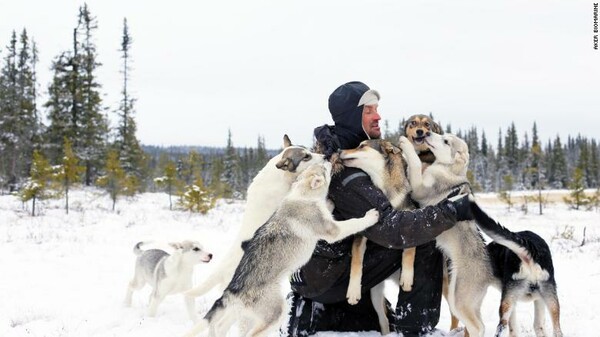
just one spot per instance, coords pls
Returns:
(523, 263)
(519, 264)
(278, 248)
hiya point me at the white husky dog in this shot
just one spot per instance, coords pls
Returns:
(166, 273)
(266, 192)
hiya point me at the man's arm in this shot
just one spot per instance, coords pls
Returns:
(356, 194)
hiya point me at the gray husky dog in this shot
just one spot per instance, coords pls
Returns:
(265, 193)
(470, 271)
(278, 248)
(166, 273)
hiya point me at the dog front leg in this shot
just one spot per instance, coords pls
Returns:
(199, 327)
(338, 230)
(353, 294)
(407, 274)
(415, 176)
(190, 305)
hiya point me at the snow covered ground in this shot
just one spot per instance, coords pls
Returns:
(66, 275)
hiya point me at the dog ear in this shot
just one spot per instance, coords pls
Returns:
(405, 124)
(286, 141)
(461, 162)
(435, 127)
(389, 148)
(176, 245)
(317, 181)
(285, 164)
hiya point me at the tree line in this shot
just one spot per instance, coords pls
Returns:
(74, 108)
(75, 144)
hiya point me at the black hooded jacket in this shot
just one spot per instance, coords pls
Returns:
(353, 194)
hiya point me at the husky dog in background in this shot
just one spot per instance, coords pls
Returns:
(383, 162)
(166, 273)
(265, 193)
(523, 263)
(278, 248)
(470, 270)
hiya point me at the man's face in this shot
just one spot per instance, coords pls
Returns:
(370, 121)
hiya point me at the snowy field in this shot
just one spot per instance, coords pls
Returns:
(66, 275)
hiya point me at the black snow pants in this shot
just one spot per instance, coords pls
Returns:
(416, 312)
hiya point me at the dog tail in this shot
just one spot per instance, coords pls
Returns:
(502, 235)
(137, 250)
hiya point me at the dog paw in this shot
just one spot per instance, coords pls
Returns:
(191, 293)
(406, 286)
(406, 281)
(372, 216)
(353, 296)
(405, 143)
(330, 205)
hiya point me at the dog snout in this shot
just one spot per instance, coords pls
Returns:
(210, 256)
(419, 133)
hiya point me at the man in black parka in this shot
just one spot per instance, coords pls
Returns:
(319, 288)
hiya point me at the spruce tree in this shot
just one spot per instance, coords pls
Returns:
(583, 162)
(19, 121)
(558, 165)
(28, 118)
(577, 197)
(61, 111)
(262, 156)
(94, 126)
(231, 170)
(9, 116)
(511, 150)
(536, 168)
(127, 144)
(594, 164)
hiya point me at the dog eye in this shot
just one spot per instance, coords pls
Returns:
(413, 123)
(427, 125)
(196, 249)
(446, 142)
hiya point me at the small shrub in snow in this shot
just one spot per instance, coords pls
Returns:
(36, 186)
(197, 198)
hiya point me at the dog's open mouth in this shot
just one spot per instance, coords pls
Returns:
(418, 140)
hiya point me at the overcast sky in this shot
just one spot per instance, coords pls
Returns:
(267, 67)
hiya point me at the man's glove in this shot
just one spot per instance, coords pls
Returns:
(461, 204)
